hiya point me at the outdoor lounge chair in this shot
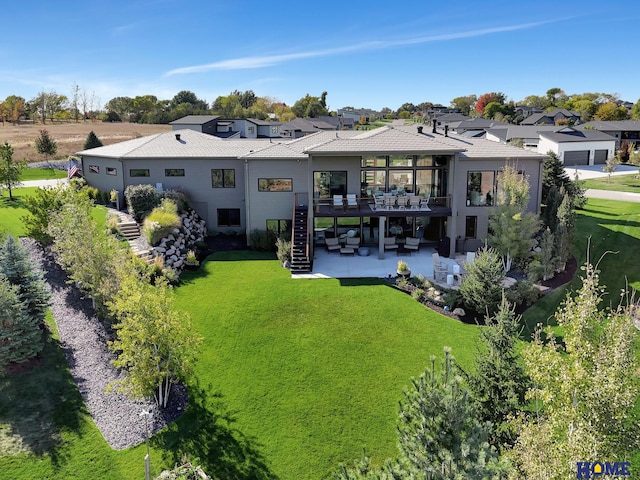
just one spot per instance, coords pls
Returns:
(412, 244)
(390, 244)
(440, 268)
(352, 201)
(353, 242)
(333, 244)
(338, 202)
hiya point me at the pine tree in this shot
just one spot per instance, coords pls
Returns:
(499, 383)
(441, 436)
(564, 232)
(46, 145)
(17, 268)
(481, 287)
(92, 141)
(20, 334)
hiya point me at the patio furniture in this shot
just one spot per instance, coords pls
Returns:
(414, 202)
(353, 242)
(471, 256)
(440, 268)
(347, 251)
(411, 244)
(424, 204)
(402, 201)
(332, 244)
(379, 202)
(390, 244)
(352, 201)
(390, 202)
(338, 202)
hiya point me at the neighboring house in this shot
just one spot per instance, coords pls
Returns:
(527, 135)
(552, 117)
(226, 128)
(474, 124)
(239, 184)
(622, 130)
(356, 114)
(442, 119)
(524, 111)
(578, 147)
(299, 127)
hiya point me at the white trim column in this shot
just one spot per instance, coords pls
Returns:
(381, 230)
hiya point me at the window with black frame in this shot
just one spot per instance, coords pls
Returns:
(481, 188)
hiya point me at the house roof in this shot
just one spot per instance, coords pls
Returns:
(567, 135)
(619, 125)
(192, 144)
(510, 132)
(194, 120)
(262, 123)
(474, 123)
(536, 117)
(307, 125)
(451, 117)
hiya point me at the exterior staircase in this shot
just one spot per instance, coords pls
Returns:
(300, 247)
(130, 230)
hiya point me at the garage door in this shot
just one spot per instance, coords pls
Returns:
(600, 157)
(579, 157)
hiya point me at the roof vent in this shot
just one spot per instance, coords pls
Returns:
(177, 136)
(420, 129)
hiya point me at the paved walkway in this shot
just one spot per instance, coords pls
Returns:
(586, 172)
(43, 183)
(613, 195)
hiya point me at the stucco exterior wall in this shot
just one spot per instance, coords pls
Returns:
(545, 145)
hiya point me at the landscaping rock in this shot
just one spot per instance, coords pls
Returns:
(459, 311)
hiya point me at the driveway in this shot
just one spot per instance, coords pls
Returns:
(595, 171)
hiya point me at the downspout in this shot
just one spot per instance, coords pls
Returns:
(247, 198)
(453, 224)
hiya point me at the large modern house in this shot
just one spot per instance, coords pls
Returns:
(308, 184)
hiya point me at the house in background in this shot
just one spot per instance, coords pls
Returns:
(198, 123)
(226, 128)
(242, 184)
(621, 130)
(525, 136)
(525, 111)
(299, 127)
(574, 146)
(552, 117)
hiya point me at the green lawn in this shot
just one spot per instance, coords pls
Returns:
(604, 225)
(313, 369)
(12, 210)
(621, 183)
(42, 174)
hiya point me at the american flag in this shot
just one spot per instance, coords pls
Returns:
(72, 168)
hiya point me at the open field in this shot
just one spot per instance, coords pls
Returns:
(70, 136)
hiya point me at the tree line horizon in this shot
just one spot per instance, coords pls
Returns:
(82, 105)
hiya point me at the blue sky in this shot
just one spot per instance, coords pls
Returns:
(371, 54)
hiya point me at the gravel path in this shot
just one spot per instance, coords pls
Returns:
(83, 339)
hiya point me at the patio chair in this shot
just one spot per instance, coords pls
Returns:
(390, 202)
(440, 268)
(390, 244)
(332, 244)
(352, 201)
(338, 202)
(471, 256)
(424, 204)
(412, 244)
(353, 242)
(379, 202)
(402, 201)
(414, 202)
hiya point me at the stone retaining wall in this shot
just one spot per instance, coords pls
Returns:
(174, 247)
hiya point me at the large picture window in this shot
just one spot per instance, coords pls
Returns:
(481, 188)
(228, 217)
(275, 185)
(223, 178)
(328, 184)
(279, 227)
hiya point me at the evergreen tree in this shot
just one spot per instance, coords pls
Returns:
(441, 436)
(92, 141)
(10, 171)
(46, 145)
(564, 232)
(17, 268)
(20, 334)
(499, 383)
(554, 174)
(545, 262)
(481, 287)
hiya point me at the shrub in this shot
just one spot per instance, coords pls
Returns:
(522, 293)
(416, 293)
(180, 197)
(453, 299)
(161, 222)
(283, 250)
(481, 288)
(113, 222)
(263, 240)
(141, 200)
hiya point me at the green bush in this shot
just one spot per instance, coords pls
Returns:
(180, 197)
(262, 240)
(481, 288)
(141, 200)
(161, 221)
(522, 293)
(453, 299)
(283, 250)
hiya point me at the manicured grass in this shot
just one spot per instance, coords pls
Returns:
(42, 174)
(604, 225)
(621, 183)
(314, 369)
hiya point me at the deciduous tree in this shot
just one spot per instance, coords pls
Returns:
(465, 104)
(487, 98)
(583, 389)
(10, 171)
(310, 107)
(155, 343)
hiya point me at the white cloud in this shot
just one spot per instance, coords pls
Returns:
(271, 60)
